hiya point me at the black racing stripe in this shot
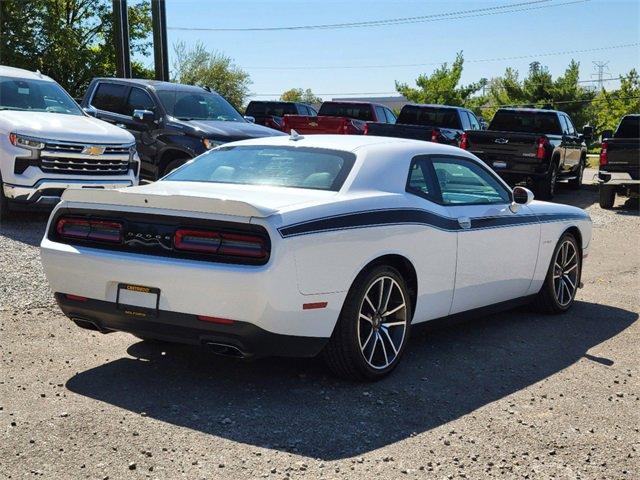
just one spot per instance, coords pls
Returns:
(415, 217)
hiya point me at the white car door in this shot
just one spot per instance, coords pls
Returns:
(497, 248)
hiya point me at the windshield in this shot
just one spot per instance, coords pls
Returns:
(195, 105)
(428, 116)
(629, 127)
(526, 122)
(35, 96)
(349, 110)
(299, 167)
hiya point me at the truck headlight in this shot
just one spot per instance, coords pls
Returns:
(209, 144)
(25, 142)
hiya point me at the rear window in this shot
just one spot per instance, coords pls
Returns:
(629, 128)
(276, 109)
(428, 116)
(526, 122)
(296, 167)
(110, 97)
(349, 110)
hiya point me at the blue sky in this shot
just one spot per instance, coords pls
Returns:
(578, 26)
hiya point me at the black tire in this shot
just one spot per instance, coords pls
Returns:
(576, 183)
(607, 196)
(545, 188)
(173, 164)
(343, 354)
(547, 300)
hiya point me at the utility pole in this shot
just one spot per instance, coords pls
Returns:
(601, 68)
(121, 37)
(160, 42)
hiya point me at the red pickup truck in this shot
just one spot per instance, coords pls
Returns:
(348, 118)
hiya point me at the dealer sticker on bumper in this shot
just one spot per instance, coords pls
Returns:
(137, 300)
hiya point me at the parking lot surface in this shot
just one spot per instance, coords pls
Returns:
(514, 395)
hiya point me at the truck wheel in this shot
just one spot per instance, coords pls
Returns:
(576, 183)
(173, 165)
(607, 196)
(546, 187)
(373, 328)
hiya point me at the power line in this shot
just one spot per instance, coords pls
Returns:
(478, 12)
(479, 60)
(560, 102)
(601, 67)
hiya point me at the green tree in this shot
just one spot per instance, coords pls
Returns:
(70, 40)
(198, 66)
(301, 96)
(441, 87)
(609, 107)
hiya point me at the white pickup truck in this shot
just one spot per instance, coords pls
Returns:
(48, 144)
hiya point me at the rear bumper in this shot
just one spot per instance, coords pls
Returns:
(246, 339)
(616, 178)
(49, 191)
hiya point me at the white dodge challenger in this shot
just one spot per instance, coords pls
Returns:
(297, 246)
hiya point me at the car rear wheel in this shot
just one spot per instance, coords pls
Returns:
(607, 196)
(173, 165)
(373, 328)
(546, 186)
(576, 183)
(563, 277)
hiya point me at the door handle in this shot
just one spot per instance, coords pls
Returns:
(464, 222)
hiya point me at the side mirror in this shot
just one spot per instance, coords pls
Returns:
(587, 132)
(250, 119)
(521, 196)
(607, 134)
(144, 116)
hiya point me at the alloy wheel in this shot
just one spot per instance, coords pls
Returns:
(565, 273)
(382, 322)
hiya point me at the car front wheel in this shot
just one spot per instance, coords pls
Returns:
(373, 328)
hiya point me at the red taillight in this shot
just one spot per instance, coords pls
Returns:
(603, 154)
(220, 321)
(313, 306)
(76, 298)
(464, 141)
(87, 229)
(366, 129)
(221, 243)
(541, 149)
(197, 241)
(435, 135)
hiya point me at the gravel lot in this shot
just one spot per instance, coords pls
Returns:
(516, 395)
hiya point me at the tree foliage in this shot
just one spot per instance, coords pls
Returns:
(441, 87)
(199, 66)
(72, 41)
(301, 96)
(609, 107)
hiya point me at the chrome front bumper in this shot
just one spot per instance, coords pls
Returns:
(49, 191)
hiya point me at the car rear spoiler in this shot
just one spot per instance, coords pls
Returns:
(131, 198)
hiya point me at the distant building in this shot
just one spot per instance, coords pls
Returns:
(394, 103)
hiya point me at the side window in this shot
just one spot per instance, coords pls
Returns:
(139, 100)
(464, 118)
(110, 97)
(563, 124)
(381, 115)
(420, 180)
(475, 124)
(572, 130)
(312, 111)
(463, 182)
(391, 118)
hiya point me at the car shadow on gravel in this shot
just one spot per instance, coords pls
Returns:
(25, 227)
(295, 405)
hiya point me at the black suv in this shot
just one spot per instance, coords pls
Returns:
(172, 123)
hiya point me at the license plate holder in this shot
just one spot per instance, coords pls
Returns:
(138, 300)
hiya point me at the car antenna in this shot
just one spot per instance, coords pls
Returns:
(295, 136)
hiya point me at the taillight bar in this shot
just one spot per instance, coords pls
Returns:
(541, 147)
(464, 141)
(435, 135)
(88, 229)
(220, 243)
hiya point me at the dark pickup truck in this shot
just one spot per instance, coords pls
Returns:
(270, 114)
(620, 162)
(349, 118)
(434, 123)
(172, 123)
(531, 145)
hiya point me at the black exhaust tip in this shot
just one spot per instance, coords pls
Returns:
(89, 325)
(226, 350)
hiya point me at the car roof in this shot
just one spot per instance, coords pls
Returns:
(155, 84)
(434, 105)
(353, 143)
(529, 109)
(13, 72)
